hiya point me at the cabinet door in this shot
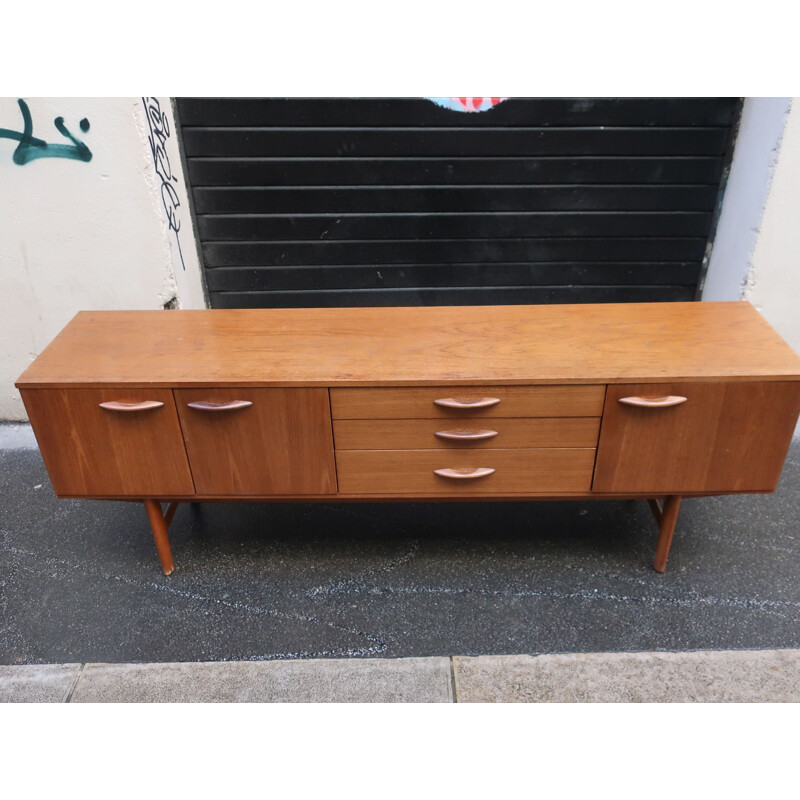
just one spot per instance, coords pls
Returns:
(258, 441)
(725, 437)
(131, 446)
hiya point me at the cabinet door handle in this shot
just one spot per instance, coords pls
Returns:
(206, 405)
(465, 435)
(145, 405)
(654, 402)
(464, 474)
(480, 402)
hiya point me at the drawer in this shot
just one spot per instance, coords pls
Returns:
(412, 471)
(469, 432)
(129, 446)
(422, 402)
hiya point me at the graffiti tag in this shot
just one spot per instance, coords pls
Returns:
(468, 104)
(31, 147)
(158, 123)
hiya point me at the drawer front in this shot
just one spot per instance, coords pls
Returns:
(133, 447)
(258, 441)
(473, 401)
(723, 437)
(469, 433)
(412, 471)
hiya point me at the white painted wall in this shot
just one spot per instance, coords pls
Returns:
(83, 235)
(755, 156)
(773, 279)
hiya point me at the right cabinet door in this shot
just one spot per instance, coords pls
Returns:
(725, 437)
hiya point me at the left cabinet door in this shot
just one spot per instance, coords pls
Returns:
(130, 446)
(258, 442)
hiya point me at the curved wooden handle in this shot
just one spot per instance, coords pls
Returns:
(145, 405)
(464, 435)
(206, 405)
(480, 402)
(464, 474)
(653, 402)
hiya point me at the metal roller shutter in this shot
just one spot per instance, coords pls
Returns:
(340, 202)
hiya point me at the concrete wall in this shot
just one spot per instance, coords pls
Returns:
(84, 222)
(755, 156)
(773, 278)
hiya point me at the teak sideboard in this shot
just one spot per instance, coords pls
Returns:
(645, 400)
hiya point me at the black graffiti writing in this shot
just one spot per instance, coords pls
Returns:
(158, 122)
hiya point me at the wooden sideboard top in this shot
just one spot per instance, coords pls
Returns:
(607, 343)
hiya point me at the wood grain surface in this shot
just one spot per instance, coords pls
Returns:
(489, 345)
(419, 434)
(407, 471)
(281, 444)
(90, 450)
(726, 436)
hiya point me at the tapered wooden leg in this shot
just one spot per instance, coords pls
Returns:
(666, 527)
(655, 507)
(159, 525)
(170, 513)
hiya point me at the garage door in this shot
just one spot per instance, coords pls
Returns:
(344, 202)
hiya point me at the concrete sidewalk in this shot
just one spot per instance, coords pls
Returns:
(741, 676)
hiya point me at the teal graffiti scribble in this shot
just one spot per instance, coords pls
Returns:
(30, 147)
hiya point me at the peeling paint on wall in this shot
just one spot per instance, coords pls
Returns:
(158, 123)
(158, 127)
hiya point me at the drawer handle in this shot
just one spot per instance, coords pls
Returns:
(481, 402)
(464, 474)
(653, 402)
(465, 435)
(205, 405)
(145, 405)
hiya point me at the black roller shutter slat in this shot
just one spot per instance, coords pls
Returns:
(526, 112)
(405, 276)
(391, 199)
(445, 172)
(408, 142)
(462, 296)
(448, 226)
(482, 251)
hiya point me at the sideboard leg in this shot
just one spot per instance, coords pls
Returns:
(159, 524)
(655, 507)
(666, 527)
(170, 512)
